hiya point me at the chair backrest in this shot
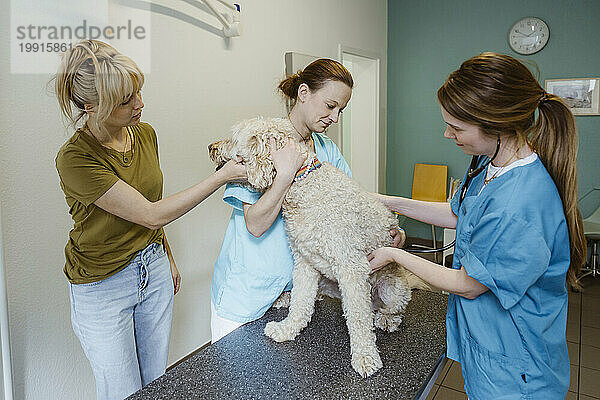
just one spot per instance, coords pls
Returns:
(429, 182)
(595, 217)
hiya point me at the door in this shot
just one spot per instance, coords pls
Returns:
(361, 119)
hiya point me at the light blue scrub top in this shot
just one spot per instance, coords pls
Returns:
(252, 272)
(512, 238)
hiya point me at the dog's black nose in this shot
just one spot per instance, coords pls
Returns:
(210, 147)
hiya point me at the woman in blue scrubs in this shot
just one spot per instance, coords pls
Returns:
(519, 237)
(255, 264)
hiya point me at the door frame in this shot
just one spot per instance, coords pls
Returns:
(380, 101)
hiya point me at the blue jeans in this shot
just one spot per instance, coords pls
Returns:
(124, 323)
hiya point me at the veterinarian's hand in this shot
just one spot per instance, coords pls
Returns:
(381, 257)
(235, 171)
(287, 160)
(399, 237)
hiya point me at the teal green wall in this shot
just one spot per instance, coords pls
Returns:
(427, 40)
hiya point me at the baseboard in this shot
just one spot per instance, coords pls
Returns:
(176, 363)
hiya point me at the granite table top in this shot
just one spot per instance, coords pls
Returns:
(248, 365)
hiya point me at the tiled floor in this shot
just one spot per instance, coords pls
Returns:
(583, 341)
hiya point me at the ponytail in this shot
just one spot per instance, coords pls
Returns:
(74, 82)
(554, 138)
(289, 86)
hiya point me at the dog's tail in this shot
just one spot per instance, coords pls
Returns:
(414, 282)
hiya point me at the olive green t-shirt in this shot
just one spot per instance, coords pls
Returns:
(100, 243)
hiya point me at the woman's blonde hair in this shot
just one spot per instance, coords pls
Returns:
(500, 95)
(93, 72)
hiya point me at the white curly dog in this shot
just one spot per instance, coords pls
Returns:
(332, 224)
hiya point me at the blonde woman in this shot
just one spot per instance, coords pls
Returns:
(121, 273)
(519, 236)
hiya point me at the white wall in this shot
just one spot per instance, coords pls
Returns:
(198, 87)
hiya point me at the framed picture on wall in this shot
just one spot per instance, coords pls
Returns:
(582, 95)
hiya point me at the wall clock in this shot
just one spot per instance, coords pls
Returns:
(528, 35)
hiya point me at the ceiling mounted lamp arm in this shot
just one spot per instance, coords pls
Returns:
(234, 6)
(231, 20)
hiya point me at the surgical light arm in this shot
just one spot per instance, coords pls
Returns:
(230, 20)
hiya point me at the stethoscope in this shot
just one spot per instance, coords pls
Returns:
(473, 171)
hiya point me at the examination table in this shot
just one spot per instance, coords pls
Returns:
(248, 365)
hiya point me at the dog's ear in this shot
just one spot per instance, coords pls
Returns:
(259, 165)
(260, 172)
(258, 145)
(220, 152)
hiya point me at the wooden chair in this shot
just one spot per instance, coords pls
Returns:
(430, 184)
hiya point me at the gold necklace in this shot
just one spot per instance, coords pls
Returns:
(306, 140)
(125, 161)
(124, 156)
(495, 175)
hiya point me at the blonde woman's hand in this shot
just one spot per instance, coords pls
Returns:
(234, 171)
(287, 160)
(176, 277)
(174, 271)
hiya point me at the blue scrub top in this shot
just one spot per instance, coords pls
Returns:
(251, 272)
(512, 238)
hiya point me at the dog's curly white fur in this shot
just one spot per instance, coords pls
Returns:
(332, 224)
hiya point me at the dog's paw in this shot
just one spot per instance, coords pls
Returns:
(283, 301)
(366, 364)
(280, 331)
(387, 322)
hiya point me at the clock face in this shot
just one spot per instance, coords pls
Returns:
(528, 35)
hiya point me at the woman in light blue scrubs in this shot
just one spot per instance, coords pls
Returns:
(255, 264)
(519, 237)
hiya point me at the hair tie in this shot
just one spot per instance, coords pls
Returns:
(546, 97)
